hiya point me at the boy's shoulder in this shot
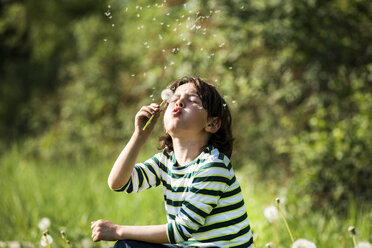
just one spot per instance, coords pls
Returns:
(212, 158)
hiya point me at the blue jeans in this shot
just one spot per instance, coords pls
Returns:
(141, 244)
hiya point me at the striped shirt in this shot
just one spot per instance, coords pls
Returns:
(203, 200)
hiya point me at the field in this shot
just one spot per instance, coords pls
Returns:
(72, 195)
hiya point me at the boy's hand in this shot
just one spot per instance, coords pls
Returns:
(104, 230)
(144, 115)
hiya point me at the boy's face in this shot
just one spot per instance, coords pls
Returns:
(185, 113)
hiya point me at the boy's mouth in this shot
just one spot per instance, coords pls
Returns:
(175, 111)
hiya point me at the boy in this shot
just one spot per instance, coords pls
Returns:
(203, 199)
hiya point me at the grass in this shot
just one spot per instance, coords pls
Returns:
(72, 195)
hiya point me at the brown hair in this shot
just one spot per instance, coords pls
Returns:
(216, 107)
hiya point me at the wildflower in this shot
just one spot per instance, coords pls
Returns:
(353, 235)
(44, 224)
(46, 240)
(284, 219)
(271, 213)
(303, 243)
(166, 95)
(363, 244)
(269, 245)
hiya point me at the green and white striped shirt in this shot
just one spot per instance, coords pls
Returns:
(203, 200)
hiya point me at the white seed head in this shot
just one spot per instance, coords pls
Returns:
(166, 95)
(44, 224)
(352, 230)
(46, 240)
(269, 245)
(303, 243)
(363, 244)
(271, 213)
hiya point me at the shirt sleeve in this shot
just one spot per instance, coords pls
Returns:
(144, 176)
(202, 196)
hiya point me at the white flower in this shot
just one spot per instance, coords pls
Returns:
(166, 94)
(269, 245)
(303, 243)
(46, 240)
(44, 224)
(363, 244)
(271, 213)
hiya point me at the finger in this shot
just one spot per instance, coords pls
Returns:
(147, 111)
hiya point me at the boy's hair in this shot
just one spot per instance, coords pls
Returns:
(216, 107)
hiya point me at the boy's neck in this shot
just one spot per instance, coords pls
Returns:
(186, 151)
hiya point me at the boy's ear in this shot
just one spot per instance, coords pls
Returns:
(213, 125)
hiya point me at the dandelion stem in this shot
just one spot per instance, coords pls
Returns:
(46, 238)
(152, 116)
(353, 235)
(285, 221)
(65, 239)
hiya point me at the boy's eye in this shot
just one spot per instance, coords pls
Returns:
(194, 99)
(173, 99)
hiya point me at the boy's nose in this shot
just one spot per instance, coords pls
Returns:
(180, 104)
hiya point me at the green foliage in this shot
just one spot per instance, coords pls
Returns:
(296, 74)
(73, 195)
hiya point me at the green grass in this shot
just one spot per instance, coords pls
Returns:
(72, 195)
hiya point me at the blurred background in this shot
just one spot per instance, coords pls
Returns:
(297, 75)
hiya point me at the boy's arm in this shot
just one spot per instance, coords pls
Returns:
(106, 230)
(124, 164)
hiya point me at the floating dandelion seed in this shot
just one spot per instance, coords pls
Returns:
(104, 40)
(165, 67)
(230, 68)
(160, 37)
(138, 15)
(133, 75)
(175, 50)
(44, 224)
(110, 17)
(271, 213)
(154, 19)
(303, 243)
(171, 63)
(126, 9)
(113, 25)
(163, 50)
(109, 6)
(189, 43)
(221, 45)
(166, 95)
(162, 23)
